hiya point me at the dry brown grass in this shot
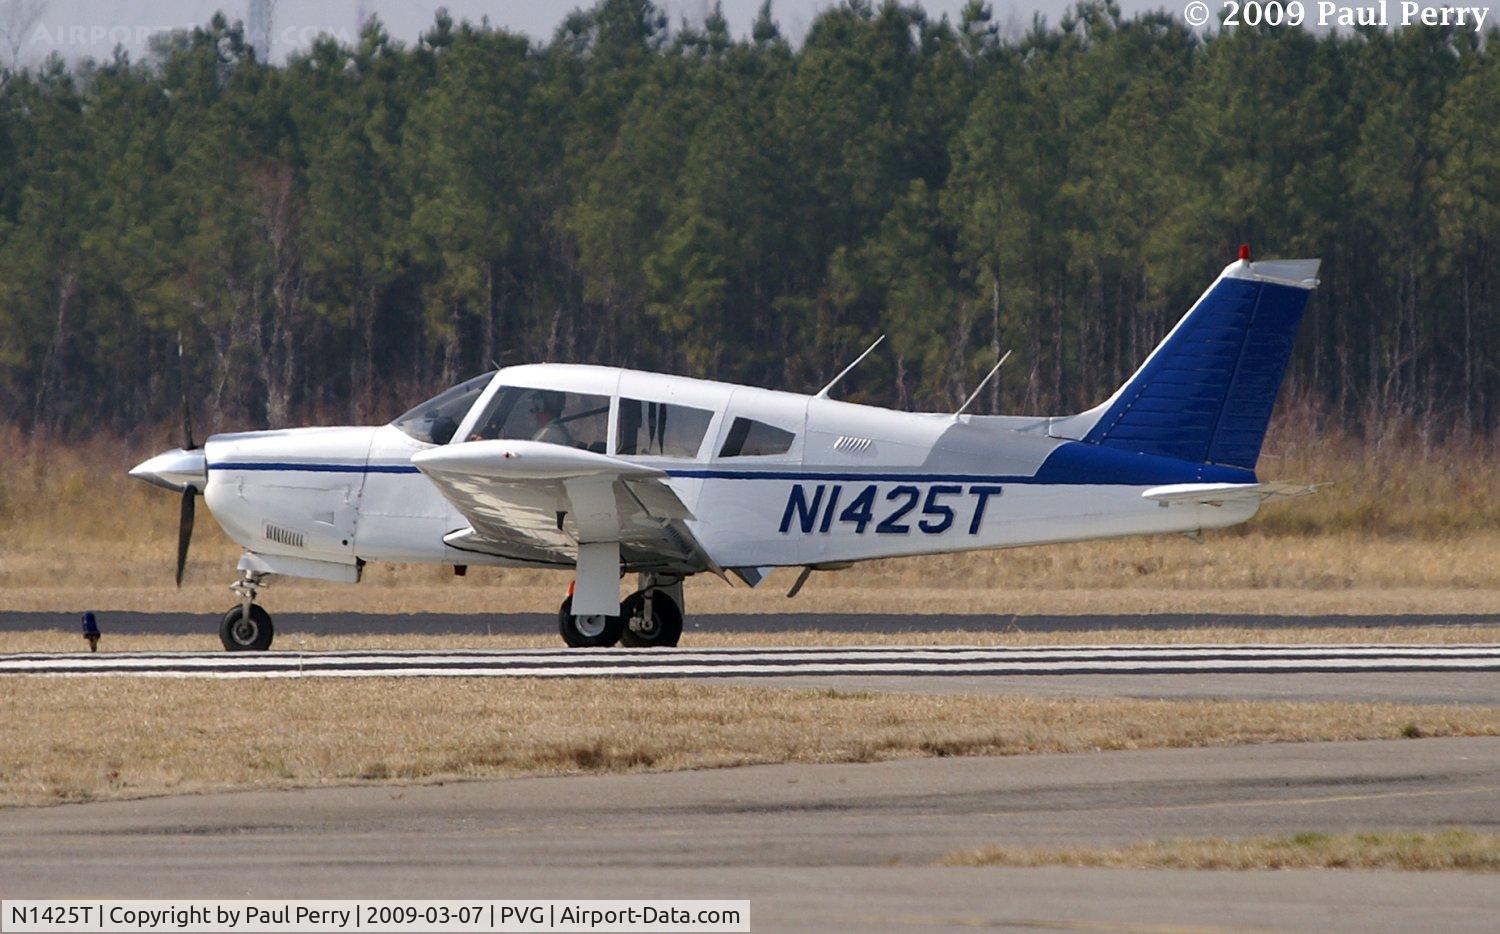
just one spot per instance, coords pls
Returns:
(1395, 486)
(1453, 849)
(57, 640)
(86, 738)
(1402, 529)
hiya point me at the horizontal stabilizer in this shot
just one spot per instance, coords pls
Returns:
(1219, 494)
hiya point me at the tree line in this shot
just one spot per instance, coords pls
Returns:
(335, 238)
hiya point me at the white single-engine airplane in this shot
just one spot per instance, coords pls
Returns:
(610, 471)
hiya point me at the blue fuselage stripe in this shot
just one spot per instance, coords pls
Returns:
(849, 477)
(799, 476)
(689, 474)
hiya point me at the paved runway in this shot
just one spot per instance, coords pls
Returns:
(780, 661)
(546, 623)
(850, 846)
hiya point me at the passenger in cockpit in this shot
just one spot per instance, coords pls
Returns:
(547, 408)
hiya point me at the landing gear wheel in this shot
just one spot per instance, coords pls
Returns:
(241, 634)
(662, 630)
(588, 632)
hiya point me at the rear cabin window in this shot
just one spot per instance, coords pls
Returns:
(749, 438)
(572, 419)
(660, 429)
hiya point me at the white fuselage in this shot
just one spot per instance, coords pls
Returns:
(856, 482)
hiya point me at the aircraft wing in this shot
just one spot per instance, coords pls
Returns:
(538, 502)
(1219, 494)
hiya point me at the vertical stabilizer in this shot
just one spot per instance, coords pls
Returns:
(1205, 394)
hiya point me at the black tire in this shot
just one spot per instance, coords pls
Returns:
(588, 632)
(662, 632)
(241, 635)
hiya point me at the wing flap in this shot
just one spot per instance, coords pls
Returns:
(657, 499)
(534, 501)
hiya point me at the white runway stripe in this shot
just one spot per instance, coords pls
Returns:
(647, 658)
(799, 652)
(773, 662)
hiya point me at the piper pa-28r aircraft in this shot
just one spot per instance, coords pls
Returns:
(612, 472)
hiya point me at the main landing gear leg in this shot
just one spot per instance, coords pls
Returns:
(653, 614)
(247, 627)
(596, 592)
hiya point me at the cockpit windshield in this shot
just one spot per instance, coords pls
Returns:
(436, 420)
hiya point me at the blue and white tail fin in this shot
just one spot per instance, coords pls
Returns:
(1206, 392)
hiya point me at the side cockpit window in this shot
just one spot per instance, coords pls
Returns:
(435, 421)
(661, 430)
(572, 419)
(749, 438)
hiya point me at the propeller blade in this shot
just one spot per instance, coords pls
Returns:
(182, 381)
(187, 427)
(185, 528)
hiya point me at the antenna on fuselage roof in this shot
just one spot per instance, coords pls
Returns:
(982, 383)
(823, 393)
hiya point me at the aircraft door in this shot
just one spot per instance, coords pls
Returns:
(754, 464)
(669, 423)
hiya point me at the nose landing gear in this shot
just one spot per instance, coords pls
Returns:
(246, 633)
(247, 627)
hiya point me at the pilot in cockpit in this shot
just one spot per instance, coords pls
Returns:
(547, 408)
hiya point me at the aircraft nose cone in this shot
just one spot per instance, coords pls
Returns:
(174, 470)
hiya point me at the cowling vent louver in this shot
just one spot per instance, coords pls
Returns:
(281, 536)
(848, 444)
